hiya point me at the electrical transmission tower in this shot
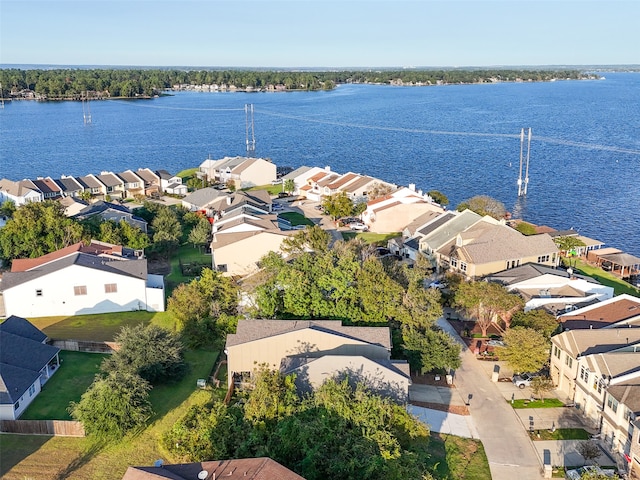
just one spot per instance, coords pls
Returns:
(250, 138)
(522, 185)
(86, 111)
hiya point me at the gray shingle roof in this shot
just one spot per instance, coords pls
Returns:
(23, 328)
(203, 197)
(532, 270)
(250, 330)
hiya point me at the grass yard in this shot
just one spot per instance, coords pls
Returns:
(547, 403)
(560, 434)
(47, 458)
(272, 189)
(368, 237)
(67, 385)
(296, 218)
(98, 327)
(457, 458)
(605, 278)
(186, 254)
(187, 174)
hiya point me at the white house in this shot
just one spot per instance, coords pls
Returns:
(244, 172)
(19, 192)
(171, 183)
(26, 363)
(81, 279)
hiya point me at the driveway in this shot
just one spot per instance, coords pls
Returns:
(445, 422)
(565, 453)
(510, 452)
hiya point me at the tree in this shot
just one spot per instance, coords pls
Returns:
(272, 396)
(526, 228)
(231, 185)
(153, 353)
(567, 245)
(200, 234)
(8, 208)
(167, 230)
(439, 197)
(289, 186)
(538, 319)
(114, 405)
(338, 205)
(430, 350)
(484, 205)
(541, 385)
(526, 350)
(589, 450)
(377, 190)
(133, 237)
(38, 228)
(311, 238)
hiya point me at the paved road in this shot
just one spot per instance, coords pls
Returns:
(509, 450)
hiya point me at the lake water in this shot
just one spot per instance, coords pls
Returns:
(463, 140)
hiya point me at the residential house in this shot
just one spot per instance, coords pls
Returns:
(207, 200)
(19, 192)
(243, 172)
(393, 212)
(555, 290)
(257, 202)
(619, 311)
(69, 186)
(171, 184)
(408, 244)
(599, 370)
(361, 353)
(72, 205)
(108, 211)
(488, 247)
(314, 189)
(582, 251)
(50, 189)
(114, 184)
(133, 184)
(26, 363)
(245, 468)
(151, 181)
(91, 184)
(81, 279)
(359, 189)
(301, 175)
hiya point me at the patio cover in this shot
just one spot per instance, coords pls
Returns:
(622, 260)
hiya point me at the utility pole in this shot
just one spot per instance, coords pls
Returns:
(250, 135)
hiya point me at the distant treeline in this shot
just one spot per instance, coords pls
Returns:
(131, 83)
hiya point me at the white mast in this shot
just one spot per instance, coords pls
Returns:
(520, 173)
(526, 175)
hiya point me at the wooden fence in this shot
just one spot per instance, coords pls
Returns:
(61, 428)
(85, 346)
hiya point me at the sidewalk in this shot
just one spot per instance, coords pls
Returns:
(445, 422)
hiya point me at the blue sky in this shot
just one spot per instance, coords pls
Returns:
(311, 33)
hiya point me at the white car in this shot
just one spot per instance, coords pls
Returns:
(358, 226)
(438, 285)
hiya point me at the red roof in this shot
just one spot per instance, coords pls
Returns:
(94, 248)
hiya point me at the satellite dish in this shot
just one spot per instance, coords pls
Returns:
(203, 474)
(158, 463)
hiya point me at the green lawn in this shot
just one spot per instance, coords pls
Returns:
(72, 379)
(560, 434)
(187, 173)
(547, 403)
(605, 278)
(368, 237)
(457, 458)
(98, 327)
(296, 218)
(48, 458)
(272, 189)
(186, 254)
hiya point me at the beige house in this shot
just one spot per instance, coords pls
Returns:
(362, 353)
(486, 248)
(244, 172)
(238, 253)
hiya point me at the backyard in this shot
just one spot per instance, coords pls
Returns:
(605, 278)
(295, 219)
(380, 239)
(458, 458)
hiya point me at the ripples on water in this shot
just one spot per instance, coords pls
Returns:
(462, 140)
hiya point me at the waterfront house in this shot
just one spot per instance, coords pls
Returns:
(257, 202)
(316, 350)
(301, 175)
(81, 279)
(19, 192)
(26, 363)
(589, 243)
(151, 181)
(107, 211)
(69, 186)
(553, 289)
(50, 189)
(114, 184)
(243, 172)
(207, 200)
(619, 311)
(133, 184)
(171, 184)
(91, 184)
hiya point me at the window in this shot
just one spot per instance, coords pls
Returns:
(584, 375)
(556, 351)
(543, 258)
(612, 403)
(32, 390)
(568, 361)
(38, 293)
(463, 266)
(110, 288)
(222, 268)
(80, 290)
(16, 405)
(454, 262)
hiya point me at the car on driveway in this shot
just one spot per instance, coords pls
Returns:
(523, 380)
(358, 226)
(437, 284)
(496, 343)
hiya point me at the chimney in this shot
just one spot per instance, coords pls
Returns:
(412, 187)
(327, 168)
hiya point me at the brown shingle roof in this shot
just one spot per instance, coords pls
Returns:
(622, 307)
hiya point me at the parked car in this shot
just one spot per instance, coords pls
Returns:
(523, 380)
(277, 207)
(277, 181)
(496, 343)
(283, 195)
(358, 226)
(438, 284)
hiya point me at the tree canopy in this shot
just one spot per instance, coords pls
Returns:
(525, 349)
(484, 205)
